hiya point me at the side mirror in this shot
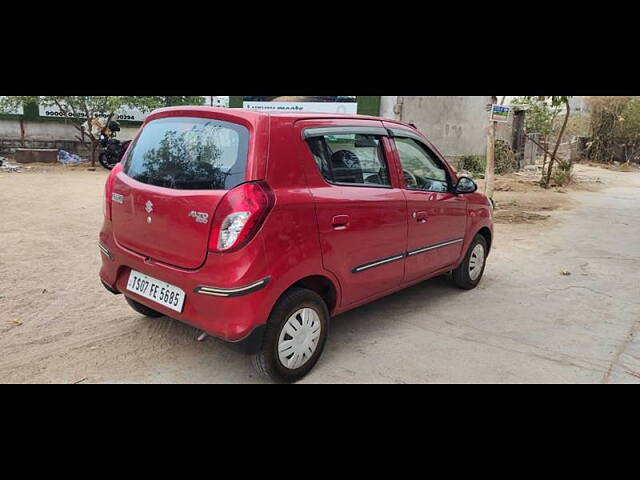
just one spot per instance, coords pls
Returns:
(465, 185)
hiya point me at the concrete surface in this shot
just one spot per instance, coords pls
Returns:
(526, 322)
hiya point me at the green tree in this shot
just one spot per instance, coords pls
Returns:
(82, 111)
(175, 101)
(615, 128)
(539, 119)
(540, 114)
(629, 130)
(554, 102)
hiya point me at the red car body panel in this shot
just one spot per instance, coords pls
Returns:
(433, 218)
(375, 225)
(315, 231)
(172, 236)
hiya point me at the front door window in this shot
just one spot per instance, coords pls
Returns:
(421, 170)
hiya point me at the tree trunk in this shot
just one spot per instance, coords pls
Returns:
(545, 182)
(489, 176)
(22, 132)
(94, 147)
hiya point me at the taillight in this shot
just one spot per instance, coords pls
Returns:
(108, 190)
(239, 216)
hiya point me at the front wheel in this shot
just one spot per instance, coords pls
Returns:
(469, 273)
(295, 336)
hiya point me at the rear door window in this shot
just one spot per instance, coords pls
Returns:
(189, 153)
(350, 159)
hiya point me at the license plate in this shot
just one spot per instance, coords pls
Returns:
(160, 292)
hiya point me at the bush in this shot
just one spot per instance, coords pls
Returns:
(615, 129)
(475, 164)
(504, 158)
(563, 172)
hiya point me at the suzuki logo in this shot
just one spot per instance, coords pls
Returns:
(148, 206)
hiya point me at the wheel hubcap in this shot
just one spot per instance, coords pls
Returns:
(299, 338)
(476, 261)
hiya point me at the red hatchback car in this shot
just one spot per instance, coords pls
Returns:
(257, 228)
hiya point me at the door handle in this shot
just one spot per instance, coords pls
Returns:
(420, 217)
(340, 222)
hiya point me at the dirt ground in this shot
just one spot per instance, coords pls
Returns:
(520, 198)
(58, 324)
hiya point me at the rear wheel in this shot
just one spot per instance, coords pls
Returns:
(469, 273)
(295, 336)
(143, 309)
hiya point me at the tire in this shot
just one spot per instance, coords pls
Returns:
(107, 160)
(295, 305)
(466, 276)
(104, 161)
(143, 309)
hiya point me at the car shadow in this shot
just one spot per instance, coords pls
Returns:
(361, 325)
(427, 297)
(433, 290)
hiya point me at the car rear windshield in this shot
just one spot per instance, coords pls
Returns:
(189, 153)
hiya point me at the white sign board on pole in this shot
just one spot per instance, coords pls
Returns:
(500, 113)
(131, 114)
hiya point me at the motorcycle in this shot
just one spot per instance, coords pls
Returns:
(112, 148)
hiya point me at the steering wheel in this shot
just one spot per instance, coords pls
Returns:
(411, 176)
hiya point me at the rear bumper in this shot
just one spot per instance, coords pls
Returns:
(227, 297)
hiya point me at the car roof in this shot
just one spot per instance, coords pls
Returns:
(255, 114)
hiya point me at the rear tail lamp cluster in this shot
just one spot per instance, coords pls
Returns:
(108, 190)
(239, 216)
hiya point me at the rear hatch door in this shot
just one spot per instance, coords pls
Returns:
(173, 178)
